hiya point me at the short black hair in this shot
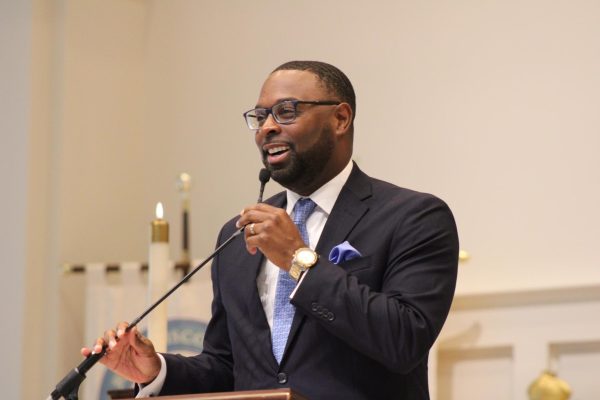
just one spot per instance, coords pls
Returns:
(333, 78)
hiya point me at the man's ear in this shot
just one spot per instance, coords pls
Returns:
(343, 118)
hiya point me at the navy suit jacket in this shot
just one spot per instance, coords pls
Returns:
(362, 329)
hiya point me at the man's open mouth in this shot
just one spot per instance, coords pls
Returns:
(276, 153)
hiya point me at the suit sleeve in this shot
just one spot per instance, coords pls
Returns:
(211, 370)
(411, 250)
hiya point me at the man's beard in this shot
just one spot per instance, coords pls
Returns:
(302, 169)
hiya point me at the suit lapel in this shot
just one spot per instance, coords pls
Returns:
(347, 212)
(255, 313)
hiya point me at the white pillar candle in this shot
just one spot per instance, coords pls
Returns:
(158, 279)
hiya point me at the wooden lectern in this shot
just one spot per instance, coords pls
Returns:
(273, 394)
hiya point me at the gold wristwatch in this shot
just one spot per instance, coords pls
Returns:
(303, 259)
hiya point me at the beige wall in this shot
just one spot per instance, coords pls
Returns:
(84, 153)
(491, 105)
(15, 49)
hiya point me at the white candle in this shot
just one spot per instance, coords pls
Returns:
(158, 278)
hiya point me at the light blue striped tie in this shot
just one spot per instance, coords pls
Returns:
(283, 313)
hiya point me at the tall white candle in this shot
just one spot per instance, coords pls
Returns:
(158, 279)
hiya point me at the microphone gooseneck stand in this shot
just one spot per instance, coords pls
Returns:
(68, 387)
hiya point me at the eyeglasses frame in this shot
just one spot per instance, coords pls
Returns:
(295, 103)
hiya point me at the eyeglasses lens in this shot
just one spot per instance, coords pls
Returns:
(284, 112)
(255, 118)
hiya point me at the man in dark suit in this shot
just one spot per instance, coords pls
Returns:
(338, 297)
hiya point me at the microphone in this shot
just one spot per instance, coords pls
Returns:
(263, 176)
(68, 387)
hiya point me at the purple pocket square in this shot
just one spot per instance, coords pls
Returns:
(343, 252)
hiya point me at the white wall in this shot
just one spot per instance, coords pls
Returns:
(494, 346)
(491, 105)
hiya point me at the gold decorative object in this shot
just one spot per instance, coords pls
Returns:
(463, 255)
(549, 387)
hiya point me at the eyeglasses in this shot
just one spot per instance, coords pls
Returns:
(284, 112)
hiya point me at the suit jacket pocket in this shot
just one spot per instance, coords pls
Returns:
(356, 264)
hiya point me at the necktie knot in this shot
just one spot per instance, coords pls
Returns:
(302, 210)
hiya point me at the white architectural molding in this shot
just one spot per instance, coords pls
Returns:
(495, 344)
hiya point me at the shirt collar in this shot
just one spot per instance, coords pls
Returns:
(326, 195)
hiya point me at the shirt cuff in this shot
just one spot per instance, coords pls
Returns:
(153, 388)
(299, 283)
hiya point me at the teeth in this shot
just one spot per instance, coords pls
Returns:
(277, 149)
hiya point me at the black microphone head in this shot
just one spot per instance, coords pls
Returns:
(264, 176)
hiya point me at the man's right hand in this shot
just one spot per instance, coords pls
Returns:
(129, 354)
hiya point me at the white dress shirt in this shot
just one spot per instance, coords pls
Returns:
(266, 281)
(325, 198)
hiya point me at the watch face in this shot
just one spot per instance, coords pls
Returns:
(306, 257)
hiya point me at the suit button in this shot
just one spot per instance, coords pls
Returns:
(282, 377)
(314, 306)
(330, 316)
